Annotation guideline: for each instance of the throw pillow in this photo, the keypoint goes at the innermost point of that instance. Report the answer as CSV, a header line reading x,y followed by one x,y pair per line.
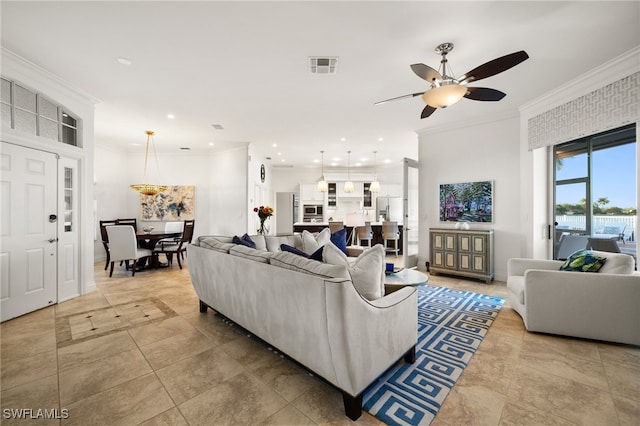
x,y
245,240
339,238
583,261
291,249
317,255
311,243
367,272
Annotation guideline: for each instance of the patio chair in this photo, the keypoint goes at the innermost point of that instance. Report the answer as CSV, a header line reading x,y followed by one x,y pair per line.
x,y
603,244
570,244
612,231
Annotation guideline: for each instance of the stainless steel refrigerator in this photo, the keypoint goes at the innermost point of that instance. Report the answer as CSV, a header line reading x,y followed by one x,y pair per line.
x,y
286,212
389,208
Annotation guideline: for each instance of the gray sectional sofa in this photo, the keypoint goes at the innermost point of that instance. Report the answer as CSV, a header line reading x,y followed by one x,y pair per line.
x,y
307,309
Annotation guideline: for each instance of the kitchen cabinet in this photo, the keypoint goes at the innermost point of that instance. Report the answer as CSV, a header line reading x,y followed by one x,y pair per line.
x,y
462,252
309,192
332,195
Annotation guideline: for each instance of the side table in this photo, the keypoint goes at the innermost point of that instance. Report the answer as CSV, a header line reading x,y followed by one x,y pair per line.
x,y
397,280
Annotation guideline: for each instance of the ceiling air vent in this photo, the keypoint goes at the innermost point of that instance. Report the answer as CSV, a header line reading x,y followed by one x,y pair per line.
x,y
323,65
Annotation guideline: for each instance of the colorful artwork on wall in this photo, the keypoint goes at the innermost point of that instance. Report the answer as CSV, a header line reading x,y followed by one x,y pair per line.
x,y
173,204
466,202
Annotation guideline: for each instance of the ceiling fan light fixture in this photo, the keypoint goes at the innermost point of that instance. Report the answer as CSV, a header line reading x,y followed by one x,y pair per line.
x,y
444,95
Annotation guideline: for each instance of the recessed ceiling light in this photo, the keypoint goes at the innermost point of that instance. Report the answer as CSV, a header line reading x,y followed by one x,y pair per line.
x,y
279,153
171,116
335,159
380,139
211,144
343,139
358,164
315,160
282,160
334,164
275,145
387,161
134,144
124,61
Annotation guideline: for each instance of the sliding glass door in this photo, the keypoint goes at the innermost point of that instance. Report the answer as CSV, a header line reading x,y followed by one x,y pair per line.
x,y
595,191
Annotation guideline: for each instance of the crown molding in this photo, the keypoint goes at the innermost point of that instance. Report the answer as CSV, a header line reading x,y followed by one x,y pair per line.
x,y
607,73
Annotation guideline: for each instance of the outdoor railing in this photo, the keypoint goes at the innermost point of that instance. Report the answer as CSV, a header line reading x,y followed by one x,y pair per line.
x,y
578,222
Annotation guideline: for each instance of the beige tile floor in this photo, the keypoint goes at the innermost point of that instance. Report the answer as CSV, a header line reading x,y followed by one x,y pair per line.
x,y
137,351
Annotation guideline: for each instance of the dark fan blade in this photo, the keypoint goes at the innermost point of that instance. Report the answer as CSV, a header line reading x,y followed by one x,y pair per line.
x,y
427,111
412,95
425,72
484,94
495,67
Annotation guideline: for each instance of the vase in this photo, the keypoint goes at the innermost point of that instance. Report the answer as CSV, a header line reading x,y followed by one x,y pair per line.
x,y
264,227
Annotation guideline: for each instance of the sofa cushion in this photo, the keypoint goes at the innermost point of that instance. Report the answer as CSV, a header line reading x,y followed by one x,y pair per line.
x,y
339,239
261,256
291,249
583,261
617,263
214,244
217,238
367,271
311,242
274,242
294,262
260,242
245,240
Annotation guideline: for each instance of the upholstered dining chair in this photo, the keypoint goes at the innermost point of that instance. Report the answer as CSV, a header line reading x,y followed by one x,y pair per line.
x,y
133,222
105,239
123,245
390,232
364,233
178,248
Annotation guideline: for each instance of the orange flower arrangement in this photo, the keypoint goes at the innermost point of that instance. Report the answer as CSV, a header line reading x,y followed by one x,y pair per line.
x,y
264,213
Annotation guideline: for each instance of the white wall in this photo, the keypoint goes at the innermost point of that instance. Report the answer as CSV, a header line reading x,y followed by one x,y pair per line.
x,y
476,152
220,181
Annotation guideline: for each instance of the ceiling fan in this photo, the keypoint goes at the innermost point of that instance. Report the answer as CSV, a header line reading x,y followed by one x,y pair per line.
x,y
446,89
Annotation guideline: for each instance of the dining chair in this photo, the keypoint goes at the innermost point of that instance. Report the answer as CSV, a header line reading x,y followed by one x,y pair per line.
x,y
603,244
105,239
335,226
123,245
178,248
133,222
390,232
364,233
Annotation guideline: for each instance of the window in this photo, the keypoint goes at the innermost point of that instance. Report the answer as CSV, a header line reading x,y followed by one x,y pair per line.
x,y
30,112
595,188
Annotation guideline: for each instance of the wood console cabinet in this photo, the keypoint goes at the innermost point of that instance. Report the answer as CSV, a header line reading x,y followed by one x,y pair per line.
x,y
462,252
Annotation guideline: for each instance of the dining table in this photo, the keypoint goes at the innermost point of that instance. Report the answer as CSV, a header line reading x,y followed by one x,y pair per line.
x,y
149,240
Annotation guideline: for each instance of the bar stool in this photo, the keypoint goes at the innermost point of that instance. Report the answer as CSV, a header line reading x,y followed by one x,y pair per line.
x,y
364,233
390,232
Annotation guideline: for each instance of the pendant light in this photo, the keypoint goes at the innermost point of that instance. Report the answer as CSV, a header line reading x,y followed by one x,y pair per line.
x,y
322,184
375,185
147,188
348,185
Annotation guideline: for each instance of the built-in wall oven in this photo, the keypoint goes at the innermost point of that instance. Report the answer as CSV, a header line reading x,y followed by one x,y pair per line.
x,y
312,212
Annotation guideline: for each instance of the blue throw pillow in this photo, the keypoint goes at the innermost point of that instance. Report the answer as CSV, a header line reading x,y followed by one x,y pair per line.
x,y
245,240
291,249
583,261
317,255
339,239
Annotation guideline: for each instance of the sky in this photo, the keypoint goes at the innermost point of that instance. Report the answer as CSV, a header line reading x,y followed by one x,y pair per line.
x,y
614,176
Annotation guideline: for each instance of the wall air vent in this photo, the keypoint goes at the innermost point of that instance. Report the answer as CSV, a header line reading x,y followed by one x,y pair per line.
x,y
323,65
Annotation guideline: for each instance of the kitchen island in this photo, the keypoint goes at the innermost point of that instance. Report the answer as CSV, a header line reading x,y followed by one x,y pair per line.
x,y
376,227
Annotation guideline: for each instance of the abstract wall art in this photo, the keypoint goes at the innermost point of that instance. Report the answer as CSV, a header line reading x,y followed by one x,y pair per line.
x,y
173,204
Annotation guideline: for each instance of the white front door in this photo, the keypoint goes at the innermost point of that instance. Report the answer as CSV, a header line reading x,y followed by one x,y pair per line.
x,y
28,229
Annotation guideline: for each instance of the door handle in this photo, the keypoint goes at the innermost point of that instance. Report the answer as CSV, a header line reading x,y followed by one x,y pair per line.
x,y
52,240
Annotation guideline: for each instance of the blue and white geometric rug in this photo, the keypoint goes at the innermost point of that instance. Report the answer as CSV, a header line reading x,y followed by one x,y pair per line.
x,y
451,326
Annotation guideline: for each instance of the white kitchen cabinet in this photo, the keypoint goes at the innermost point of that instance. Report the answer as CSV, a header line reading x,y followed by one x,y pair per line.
x,y
309,192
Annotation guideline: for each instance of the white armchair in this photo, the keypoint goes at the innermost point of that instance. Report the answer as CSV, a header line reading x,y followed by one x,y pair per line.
x,y
602,305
